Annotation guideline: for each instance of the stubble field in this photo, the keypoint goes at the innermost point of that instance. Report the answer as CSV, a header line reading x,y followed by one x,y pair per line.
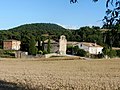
x,y
62,75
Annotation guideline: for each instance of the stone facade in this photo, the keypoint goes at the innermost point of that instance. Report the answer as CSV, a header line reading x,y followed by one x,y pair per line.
x,y
62,45
11,45
54,46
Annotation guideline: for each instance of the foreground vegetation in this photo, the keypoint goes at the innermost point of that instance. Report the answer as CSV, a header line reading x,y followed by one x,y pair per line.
x,y
61,75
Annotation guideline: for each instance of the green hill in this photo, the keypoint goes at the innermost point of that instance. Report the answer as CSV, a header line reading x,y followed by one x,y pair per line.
x,y
35,30
38,27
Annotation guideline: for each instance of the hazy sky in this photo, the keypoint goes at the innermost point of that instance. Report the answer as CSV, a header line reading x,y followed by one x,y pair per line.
x,y
17,12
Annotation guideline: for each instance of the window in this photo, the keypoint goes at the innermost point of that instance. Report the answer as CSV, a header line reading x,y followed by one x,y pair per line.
x,y
81,45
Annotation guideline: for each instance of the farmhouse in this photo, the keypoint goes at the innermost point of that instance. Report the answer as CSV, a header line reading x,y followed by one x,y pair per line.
x,y
92,48
11,45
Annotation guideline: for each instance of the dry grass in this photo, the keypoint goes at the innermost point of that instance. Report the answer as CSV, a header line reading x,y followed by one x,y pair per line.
x,y
62,75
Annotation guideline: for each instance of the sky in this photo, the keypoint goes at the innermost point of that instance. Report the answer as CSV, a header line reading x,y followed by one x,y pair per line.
x,y
14,13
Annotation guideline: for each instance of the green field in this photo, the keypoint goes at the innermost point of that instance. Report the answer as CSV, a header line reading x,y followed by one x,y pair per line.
x,y
62,74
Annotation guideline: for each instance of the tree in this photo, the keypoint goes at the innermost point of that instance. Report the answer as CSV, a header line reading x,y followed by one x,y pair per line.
x,y
25,43
105,50
48,46
109,52
39,43
73,1
75,49
112,53
32,49
112,13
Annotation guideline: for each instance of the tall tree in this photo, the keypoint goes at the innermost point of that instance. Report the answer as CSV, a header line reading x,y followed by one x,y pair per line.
x,y
39,43
32,49
48,46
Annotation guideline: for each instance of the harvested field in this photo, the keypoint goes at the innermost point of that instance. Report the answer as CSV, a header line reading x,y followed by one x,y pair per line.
x,y
60,75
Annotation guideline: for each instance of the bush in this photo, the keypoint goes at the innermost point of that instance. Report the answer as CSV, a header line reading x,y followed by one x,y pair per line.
x,y
40,52
70,50
100,55
81,52
1,52
45,52
105,50
112,53
118,53
75,49
109,52
9,52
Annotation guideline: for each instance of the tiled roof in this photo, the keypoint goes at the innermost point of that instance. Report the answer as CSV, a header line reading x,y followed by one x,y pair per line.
x,y
90,44
51,41
72,43
10,40
115,48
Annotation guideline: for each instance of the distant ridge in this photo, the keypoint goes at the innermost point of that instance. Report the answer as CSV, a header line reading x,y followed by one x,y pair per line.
x,y
35,30
38,26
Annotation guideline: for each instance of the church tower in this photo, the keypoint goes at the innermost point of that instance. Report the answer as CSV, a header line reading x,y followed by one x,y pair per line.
x,y
62,45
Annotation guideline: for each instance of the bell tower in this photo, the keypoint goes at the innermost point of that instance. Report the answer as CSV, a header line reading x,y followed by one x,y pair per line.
x,y
62,45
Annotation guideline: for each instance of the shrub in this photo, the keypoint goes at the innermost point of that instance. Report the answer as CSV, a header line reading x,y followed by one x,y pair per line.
x,y
105,50
81,52
118,53
75,49
1,52
100,55
40,52
45,52
70,49
9,52
112,53
109,52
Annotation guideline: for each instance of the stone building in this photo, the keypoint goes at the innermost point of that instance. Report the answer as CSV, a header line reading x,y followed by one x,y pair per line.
x,y
62,45
54,46
11,45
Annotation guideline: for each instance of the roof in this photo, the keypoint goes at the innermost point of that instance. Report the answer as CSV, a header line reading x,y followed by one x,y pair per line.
x,y
72,43
51,41
11,40
115,48
89,44
46,41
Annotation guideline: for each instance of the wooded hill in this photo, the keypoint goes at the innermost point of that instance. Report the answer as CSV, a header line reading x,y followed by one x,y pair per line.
x,y
34,30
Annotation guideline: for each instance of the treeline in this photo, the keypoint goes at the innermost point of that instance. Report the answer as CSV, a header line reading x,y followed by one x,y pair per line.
x,y
39,31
